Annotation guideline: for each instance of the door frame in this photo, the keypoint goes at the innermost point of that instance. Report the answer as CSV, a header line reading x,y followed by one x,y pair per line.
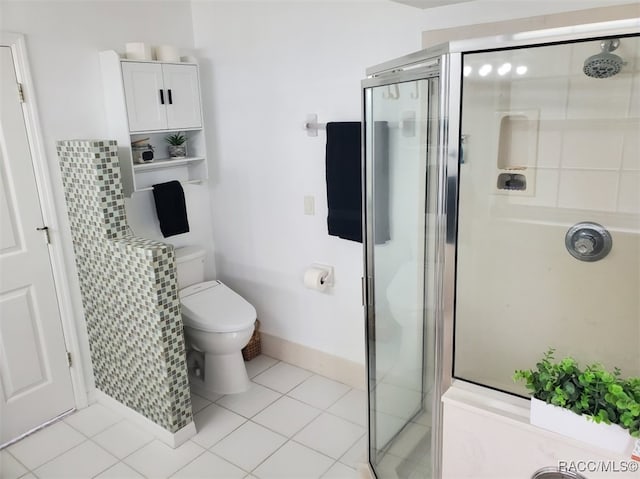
x,y
43,177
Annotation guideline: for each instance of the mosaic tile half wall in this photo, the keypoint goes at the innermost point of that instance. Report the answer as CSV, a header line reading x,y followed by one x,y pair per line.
x,y
129,291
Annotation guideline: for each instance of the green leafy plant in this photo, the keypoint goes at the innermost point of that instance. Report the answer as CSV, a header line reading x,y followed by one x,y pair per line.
x,y
593,391
176,139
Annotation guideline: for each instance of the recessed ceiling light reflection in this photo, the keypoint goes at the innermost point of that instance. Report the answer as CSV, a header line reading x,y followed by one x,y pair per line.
x,y
485,70
504,69
521,70
467,70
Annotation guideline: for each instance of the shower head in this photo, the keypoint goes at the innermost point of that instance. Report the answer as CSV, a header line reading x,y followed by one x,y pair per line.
x,y
604,64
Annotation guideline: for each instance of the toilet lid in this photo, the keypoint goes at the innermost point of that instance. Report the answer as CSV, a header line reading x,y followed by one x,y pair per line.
x,y
212,306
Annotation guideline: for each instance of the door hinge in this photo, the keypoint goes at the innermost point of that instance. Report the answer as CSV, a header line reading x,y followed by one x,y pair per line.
x,y
69,360
20,93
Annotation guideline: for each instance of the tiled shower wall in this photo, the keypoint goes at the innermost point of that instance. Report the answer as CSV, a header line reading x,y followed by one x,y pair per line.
x,y
519,291
129,291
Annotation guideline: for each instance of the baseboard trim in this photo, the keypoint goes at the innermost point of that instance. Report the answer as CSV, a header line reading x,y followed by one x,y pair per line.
x,y
170,439
328,365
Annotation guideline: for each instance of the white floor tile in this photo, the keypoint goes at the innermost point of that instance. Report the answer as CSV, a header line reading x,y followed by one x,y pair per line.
x,y
251,402
352,407
340,471
122,439
92,420
44,445
286,416
330,435
209,466
213,423
249,445
319,391
293,461
10,468
259,364
198,403
424,419
414,442
282,377
357,454
203,393
120,471
83,461
158,461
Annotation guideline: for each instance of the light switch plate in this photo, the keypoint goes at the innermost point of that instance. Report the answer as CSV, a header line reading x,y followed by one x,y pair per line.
x,y
309,205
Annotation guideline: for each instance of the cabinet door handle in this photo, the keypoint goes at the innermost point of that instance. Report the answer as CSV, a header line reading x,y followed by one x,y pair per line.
x,y
170,97
162,97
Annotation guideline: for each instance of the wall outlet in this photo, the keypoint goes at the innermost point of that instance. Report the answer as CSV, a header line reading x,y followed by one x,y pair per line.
x,y
309,205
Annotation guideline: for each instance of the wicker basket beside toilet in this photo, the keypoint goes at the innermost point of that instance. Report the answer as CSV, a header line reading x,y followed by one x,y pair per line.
x,y
254,347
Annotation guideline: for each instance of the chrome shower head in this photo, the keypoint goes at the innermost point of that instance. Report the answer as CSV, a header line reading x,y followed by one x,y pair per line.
x,y
604,64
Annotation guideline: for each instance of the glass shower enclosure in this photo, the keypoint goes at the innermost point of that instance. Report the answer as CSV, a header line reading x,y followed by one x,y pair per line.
x,y
502,217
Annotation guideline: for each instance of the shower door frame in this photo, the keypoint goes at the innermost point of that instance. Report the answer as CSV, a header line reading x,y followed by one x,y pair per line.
x,y
425,65
448,58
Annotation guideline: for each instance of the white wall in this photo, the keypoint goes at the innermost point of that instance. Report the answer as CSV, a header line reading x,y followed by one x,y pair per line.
x,y
63,40
265,66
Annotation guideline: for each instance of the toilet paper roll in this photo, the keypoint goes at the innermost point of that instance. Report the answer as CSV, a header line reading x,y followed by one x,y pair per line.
x,y
167,53
138,51
316,278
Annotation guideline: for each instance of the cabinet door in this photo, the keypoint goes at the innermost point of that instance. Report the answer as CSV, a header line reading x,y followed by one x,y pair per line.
x,y
183,96
145,96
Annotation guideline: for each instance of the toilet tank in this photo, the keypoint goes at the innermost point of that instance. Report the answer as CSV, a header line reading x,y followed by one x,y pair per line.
x,y
190,265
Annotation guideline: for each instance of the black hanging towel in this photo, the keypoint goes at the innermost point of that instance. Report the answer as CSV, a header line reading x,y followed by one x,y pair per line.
x,y
344,185
171,208
344,180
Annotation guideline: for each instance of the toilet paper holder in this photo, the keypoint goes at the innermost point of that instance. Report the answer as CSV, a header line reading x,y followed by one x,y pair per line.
x,y
328,281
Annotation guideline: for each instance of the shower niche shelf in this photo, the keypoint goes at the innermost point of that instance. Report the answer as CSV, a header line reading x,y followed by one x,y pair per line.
x,y
517,150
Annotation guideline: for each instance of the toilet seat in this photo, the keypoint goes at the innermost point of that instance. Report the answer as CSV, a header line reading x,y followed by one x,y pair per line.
x,y
214,307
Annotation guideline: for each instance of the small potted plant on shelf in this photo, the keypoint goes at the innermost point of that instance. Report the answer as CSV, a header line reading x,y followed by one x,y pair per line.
x,y
177,145
590,404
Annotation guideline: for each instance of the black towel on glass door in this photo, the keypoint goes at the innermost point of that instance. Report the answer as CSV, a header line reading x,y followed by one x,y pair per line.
x,y
171,208
344,180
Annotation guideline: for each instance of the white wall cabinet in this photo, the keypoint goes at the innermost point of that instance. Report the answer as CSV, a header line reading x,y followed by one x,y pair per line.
x,y
150,100
161,96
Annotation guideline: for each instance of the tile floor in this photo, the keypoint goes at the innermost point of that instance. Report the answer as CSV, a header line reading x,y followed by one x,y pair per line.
x,y
290,424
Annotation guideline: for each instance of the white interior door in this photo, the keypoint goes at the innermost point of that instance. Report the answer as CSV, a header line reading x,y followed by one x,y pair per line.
x,y
35,384
183,92
145,96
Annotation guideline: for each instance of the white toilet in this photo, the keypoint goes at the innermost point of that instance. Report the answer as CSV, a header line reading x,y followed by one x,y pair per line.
x,y
218,322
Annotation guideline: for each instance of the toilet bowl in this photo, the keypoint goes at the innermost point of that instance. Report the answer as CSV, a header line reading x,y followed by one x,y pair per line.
x,y
217,322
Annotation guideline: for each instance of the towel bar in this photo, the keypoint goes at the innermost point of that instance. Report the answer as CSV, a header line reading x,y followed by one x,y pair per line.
x,y
312,126
190,182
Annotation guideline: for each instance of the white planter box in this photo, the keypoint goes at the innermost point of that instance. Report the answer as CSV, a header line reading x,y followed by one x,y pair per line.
x,y
563,421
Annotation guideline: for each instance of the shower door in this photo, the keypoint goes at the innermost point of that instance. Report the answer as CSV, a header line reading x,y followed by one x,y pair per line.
x,y
401,131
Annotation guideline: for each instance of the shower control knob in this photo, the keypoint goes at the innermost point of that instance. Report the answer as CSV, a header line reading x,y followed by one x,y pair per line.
x,y
588,241
585,244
